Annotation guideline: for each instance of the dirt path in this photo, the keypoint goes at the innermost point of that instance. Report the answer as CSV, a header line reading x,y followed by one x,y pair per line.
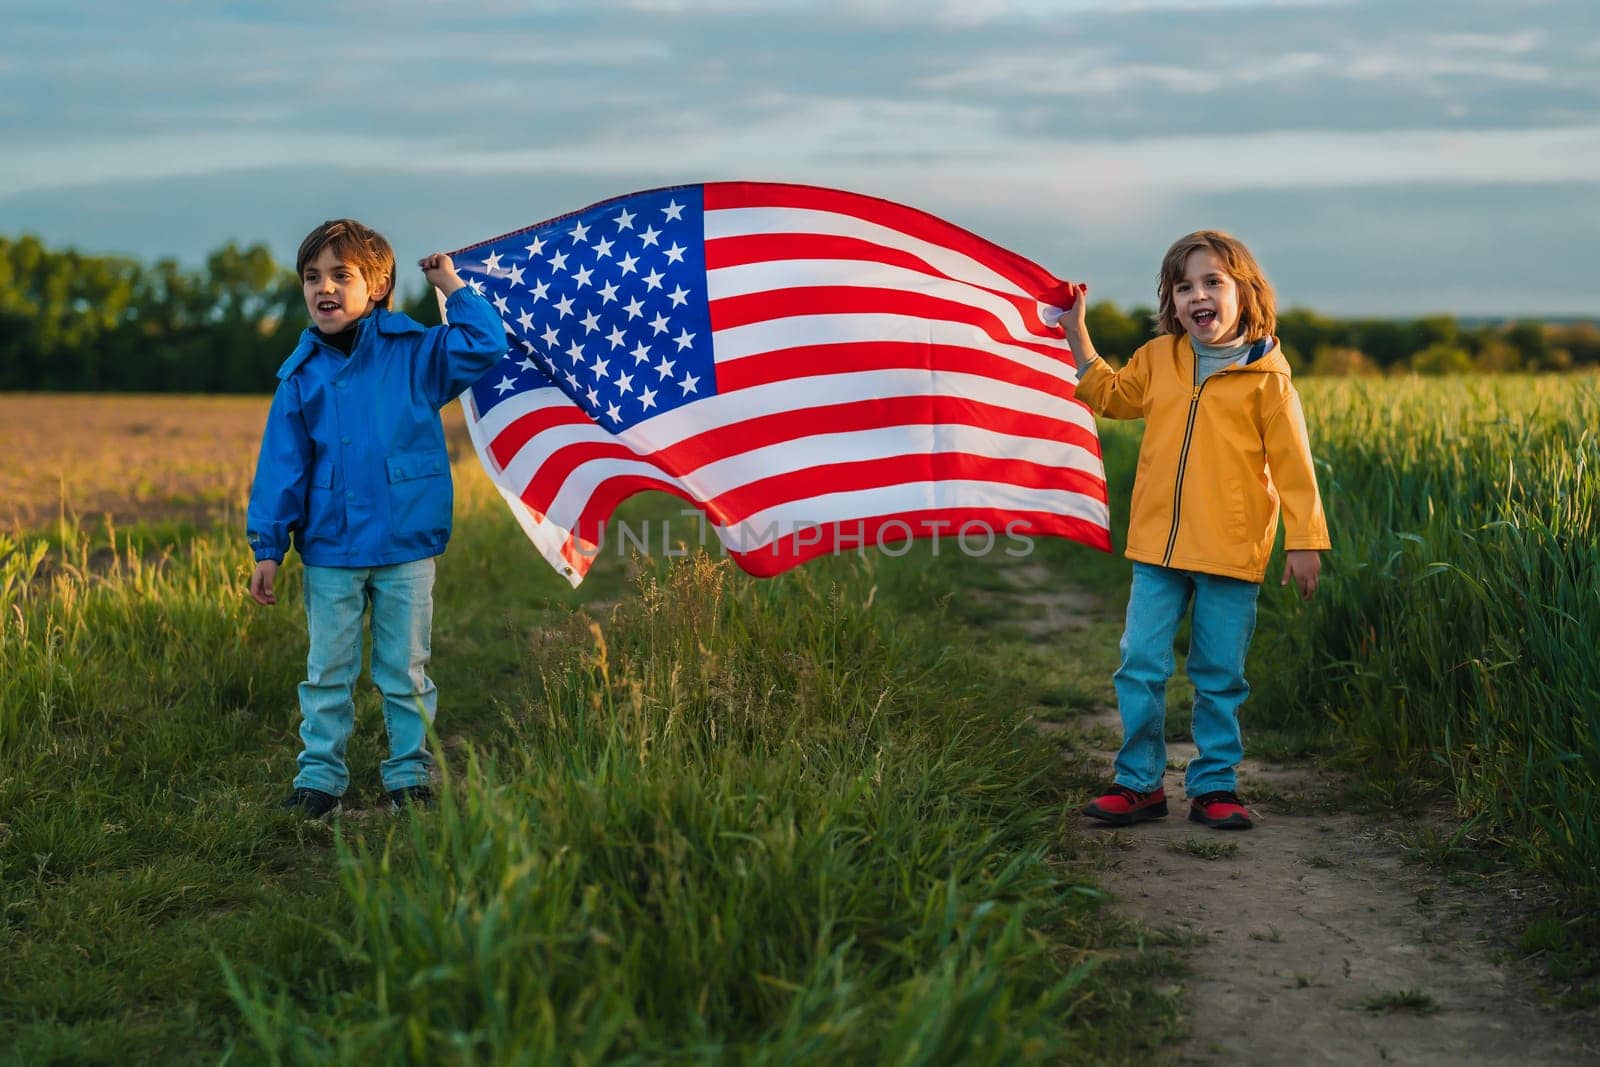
x,y
1314,942
1309,923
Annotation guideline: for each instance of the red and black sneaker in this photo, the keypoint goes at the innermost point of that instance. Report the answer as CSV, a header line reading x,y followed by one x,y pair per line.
x,y
1220,809
1121,806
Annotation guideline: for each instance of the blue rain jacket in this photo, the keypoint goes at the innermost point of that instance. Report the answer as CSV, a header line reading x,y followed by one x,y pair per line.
x,y
353,468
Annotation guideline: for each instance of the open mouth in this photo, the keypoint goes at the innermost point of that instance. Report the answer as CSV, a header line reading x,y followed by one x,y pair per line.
x,y
326,306
1203,317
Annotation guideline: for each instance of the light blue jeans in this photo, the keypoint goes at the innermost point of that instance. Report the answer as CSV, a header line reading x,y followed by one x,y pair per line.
x,y
1224,620
401,597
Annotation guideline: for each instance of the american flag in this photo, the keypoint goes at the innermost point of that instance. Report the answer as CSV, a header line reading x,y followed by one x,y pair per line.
x,y
815,370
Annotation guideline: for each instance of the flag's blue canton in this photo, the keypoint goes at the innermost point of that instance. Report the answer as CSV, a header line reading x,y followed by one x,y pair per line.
x,y
608,304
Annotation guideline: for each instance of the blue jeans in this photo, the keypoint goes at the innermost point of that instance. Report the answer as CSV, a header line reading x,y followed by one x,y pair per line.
x,y
1219,636
401,597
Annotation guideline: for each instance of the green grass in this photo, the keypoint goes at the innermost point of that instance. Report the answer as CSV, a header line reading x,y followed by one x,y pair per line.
x,y
1414,1001
1205,849
689,816
797,820
1451,646
1568,943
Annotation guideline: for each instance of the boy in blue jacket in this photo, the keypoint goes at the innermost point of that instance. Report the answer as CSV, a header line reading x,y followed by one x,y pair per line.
x,y
354,472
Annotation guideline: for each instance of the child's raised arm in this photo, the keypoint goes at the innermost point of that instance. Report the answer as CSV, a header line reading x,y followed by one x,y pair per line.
x,y
1115,394
440,270
1074,320
456,354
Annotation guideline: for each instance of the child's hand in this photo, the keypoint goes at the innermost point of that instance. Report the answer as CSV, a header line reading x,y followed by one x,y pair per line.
x,y
440,270
262,581
1073,299
1302,565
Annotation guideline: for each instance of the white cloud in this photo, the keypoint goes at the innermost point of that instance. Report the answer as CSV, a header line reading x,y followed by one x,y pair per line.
x,y
117,159
1395,69
1504,43
1392,69
928,143
1072,72
679,7
975,12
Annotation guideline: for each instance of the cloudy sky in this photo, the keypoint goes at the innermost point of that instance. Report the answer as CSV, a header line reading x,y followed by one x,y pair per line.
x,y
1382,158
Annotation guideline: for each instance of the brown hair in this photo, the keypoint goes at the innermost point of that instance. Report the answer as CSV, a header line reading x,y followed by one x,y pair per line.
x,y
1258,308
361,247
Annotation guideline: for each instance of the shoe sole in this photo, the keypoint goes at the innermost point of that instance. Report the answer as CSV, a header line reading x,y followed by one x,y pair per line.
x,y
1232,822
1116,818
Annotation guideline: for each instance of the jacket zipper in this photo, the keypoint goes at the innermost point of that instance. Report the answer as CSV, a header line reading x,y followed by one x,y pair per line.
x,y
1183,460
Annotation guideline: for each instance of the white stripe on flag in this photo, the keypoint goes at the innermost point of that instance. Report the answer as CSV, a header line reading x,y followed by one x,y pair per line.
x,y
775,276
765,221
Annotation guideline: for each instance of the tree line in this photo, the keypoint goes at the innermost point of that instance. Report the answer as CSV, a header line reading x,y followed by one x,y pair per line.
x,y
1437,344
70,321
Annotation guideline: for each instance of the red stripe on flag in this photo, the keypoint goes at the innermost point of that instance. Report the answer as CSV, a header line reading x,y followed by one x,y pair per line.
x,y
908,220
851,534
524,428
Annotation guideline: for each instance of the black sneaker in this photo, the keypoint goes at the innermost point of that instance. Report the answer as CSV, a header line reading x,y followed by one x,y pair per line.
x,y
417,797
311,803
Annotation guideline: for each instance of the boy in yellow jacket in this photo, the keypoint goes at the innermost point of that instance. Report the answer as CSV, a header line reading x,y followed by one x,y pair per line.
x,y
1224,450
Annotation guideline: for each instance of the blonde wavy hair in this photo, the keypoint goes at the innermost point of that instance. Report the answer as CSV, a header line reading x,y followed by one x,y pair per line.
x,y
1258,307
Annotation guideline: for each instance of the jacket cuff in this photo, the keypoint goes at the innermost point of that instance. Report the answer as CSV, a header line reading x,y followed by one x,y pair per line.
x,y
461,296
1307,544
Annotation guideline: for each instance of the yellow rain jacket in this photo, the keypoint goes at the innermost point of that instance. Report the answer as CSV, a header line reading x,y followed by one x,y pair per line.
x,y
1217,461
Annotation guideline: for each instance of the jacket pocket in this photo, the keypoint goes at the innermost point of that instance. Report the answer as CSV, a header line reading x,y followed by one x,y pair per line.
x,y
1238,510
324,516
419,493
409,466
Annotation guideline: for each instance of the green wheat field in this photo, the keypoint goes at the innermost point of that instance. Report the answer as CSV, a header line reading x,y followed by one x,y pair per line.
x,y
689,816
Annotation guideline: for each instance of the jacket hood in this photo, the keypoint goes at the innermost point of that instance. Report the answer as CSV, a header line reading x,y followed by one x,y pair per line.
x,y
1266,355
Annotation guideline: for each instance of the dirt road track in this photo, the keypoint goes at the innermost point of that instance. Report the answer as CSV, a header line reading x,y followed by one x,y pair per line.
x,y
1316,943
1313,940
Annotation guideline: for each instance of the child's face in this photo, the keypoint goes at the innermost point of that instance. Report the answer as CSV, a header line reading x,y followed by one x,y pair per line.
x,y
1206,299
337,293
